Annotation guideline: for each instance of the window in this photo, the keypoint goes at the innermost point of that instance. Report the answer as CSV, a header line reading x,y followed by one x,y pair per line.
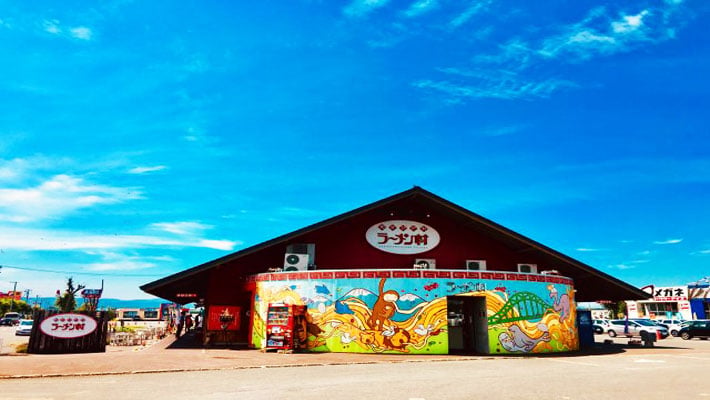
x,y
151,314
661,308
130,314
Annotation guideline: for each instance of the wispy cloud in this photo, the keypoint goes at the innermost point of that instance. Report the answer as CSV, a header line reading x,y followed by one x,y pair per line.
x,y
589,250
517,70
421,7
81,32
600,35
360,8
181,228
468,13
668,241
58,196
622,266
495,89
144,170
26,239
116,261
53,27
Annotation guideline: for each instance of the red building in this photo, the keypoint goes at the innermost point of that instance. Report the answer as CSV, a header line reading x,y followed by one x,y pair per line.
x,y
434,254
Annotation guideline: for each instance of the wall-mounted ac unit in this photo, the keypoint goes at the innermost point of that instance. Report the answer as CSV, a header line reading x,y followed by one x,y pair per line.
x,y
308,249
476,265
296,262
527,268
425,263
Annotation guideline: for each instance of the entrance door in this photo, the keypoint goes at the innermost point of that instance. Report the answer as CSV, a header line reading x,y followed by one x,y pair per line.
x,y
468,324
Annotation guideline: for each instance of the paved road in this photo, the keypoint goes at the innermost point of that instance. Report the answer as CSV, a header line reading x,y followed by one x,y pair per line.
x,y
678,370
8,339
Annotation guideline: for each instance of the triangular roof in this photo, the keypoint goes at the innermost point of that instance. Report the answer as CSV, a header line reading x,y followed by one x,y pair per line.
x,y
586,277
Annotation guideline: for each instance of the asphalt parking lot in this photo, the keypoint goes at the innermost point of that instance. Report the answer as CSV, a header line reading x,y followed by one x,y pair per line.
x,y
674,369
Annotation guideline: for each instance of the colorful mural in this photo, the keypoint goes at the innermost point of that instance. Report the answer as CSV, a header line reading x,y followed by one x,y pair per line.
x,y
409,315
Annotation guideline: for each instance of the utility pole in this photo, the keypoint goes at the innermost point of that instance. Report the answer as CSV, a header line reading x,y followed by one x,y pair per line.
x,y
12,296
27,295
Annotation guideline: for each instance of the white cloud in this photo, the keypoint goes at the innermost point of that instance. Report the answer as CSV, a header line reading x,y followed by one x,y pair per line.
x,y
496,89
81,32
629,23
51,26
622,266
586,249
360,8
421,7
181,228
61,240
59,196
467,14
143,170
669,241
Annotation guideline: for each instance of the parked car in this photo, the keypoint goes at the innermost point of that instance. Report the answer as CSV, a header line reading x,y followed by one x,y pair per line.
x,y
673,325
698,328
10,319
24,328
601,325
636,328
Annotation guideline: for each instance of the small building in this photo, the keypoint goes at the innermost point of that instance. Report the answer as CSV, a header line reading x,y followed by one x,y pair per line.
x,y
411,273
686,302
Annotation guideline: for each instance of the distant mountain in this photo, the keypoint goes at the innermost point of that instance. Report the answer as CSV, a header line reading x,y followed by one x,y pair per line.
x,y
47,302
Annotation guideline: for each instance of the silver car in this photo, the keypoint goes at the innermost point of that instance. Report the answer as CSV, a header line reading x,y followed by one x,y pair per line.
x,y
24,328
636,328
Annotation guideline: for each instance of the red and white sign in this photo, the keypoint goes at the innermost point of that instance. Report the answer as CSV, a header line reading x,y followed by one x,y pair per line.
x,y
67,326
402,237
672,293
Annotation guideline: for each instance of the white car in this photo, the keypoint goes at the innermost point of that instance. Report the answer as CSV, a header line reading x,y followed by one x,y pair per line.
x,y
636,327
673,325
24,328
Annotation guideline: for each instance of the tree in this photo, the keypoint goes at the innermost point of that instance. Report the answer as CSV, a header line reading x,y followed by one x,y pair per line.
x,y
18,306
66,301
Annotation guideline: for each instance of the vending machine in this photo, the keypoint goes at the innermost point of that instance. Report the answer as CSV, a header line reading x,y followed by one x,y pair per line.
x,y
286,327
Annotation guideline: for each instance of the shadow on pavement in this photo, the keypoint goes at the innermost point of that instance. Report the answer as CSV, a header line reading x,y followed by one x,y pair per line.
x,y
193,340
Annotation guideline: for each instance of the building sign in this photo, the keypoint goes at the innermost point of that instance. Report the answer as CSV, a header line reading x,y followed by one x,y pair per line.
x,y
402,237
223,318
17,296
672,293
66,326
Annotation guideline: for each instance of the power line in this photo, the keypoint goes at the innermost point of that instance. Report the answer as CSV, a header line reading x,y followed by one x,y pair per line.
x,y
78,272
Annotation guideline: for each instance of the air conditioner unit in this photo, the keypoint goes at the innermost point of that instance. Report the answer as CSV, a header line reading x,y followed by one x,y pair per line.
x,y
527,268
476,265
425,263
296,262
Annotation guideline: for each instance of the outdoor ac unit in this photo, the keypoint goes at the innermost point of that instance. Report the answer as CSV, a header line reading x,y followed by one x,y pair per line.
x,y
296,262
425,263
527,268
476,265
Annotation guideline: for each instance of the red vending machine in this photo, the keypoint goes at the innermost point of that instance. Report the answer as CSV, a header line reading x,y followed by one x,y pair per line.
x,y
286,327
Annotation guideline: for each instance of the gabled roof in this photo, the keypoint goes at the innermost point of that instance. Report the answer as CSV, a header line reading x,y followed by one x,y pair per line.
x,y
585,273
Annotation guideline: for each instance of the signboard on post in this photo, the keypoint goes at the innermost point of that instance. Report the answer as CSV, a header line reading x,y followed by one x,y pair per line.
x,y
67,326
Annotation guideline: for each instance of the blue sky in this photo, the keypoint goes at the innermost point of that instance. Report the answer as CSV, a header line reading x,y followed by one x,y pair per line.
x,y
138,139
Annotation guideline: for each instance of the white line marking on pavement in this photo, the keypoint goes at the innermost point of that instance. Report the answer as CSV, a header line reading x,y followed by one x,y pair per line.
x,y
575,363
